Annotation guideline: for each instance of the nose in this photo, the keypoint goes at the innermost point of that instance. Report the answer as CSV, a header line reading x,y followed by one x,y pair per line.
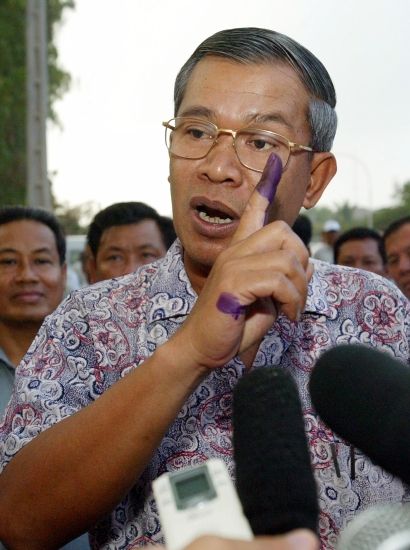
x,y
404,263
221,165
135,262
26,272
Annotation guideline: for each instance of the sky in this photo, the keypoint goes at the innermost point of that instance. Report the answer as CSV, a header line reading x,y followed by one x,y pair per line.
x,y
123,56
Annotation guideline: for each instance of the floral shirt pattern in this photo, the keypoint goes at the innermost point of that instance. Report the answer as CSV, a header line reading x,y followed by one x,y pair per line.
x,y
100,333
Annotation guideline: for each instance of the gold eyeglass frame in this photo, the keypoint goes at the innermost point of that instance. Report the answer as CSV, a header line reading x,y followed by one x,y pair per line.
x,y
293,147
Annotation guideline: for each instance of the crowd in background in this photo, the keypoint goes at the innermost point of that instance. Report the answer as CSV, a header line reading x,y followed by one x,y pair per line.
x,y
386,254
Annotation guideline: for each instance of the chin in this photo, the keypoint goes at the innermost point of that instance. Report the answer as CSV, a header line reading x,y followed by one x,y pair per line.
x,y
35,314
203,254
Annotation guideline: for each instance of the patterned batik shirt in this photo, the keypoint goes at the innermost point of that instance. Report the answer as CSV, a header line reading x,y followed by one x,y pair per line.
x,y
100,333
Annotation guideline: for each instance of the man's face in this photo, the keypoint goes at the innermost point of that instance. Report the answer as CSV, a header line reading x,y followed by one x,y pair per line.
x,y
362,254
330,237
32,280
123,248
234,95
398,257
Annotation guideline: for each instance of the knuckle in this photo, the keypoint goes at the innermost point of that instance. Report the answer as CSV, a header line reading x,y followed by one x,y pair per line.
x,y
292,263
282,227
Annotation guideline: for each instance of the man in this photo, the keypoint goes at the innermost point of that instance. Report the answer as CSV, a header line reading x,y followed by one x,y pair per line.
x,y
397,244
331,231
153,357
32,283
125,236
362,248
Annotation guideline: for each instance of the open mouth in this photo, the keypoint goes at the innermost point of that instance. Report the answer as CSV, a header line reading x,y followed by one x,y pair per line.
x,y
214,215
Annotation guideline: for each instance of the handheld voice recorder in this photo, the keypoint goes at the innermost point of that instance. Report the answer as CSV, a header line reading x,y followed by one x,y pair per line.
x,y
199,500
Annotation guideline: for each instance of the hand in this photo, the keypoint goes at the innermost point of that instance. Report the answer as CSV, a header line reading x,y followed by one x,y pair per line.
x,y
265,270
300,539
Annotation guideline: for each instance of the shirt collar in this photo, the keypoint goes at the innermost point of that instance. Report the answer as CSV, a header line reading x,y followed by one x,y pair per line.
x,y
171,294
316,302
5,360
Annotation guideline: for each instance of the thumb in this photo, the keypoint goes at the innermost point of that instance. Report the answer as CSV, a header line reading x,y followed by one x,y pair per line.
x,y
253,217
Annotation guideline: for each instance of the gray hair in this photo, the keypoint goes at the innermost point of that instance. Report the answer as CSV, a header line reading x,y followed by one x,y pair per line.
x,y
253,45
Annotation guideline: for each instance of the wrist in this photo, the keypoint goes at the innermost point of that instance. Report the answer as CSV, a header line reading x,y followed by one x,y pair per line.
x,y
179,362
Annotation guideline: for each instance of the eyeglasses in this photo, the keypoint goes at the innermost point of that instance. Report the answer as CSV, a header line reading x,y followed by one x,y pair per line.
x,y
192,138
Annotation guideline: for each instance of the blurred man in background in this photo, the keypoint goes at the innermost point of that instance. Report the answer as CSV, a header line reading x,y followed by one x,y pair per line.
x,y
330,232
32,283
124,236
303,229
362,248
397,244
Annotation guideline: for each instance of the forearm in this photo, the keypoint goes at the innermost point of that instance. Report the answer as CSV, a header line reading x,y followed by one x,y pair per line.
x,y
75,472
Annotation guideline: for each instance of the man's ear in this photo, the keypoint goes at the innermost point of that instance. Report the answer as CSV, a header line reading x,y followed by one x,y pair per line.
x,y
64,273
323,168
91,270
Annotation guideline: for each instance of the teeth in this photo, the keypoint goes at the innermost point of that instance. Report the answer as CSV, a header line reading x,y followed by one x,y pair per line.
x,y
215,219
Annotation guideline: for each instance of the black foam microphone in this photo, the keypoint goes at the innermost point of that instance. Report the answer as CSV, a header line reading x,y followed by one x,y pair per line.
x,y
364,396
274,476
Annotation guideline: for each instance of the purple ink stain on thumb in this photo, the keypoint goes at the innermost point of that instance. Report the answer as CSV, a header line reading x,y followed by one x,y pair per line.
x,y
228,303
271,175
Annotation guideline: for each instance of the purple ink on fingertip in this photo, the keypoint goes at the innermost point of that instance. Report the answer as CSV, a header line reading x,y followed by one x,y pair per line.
x,y
271,175
227,303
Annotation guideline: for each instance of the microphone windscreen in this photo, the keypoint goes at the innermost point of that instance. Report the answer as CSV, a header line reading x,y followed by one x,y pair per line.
x,y
274,476
364,396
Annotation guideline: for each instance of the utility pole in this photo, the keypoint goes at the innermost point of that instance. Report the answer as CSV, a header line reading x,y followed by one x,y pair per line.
x,y
38,186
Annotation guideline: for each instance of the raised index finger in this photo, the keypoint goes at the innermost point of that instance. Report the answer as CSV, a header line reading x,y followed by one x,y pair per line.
x,y
253,217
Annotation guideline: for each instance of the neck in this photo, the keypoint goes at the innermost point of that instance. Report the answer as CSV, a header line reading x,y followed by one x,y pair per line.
x,y
16,337
197,274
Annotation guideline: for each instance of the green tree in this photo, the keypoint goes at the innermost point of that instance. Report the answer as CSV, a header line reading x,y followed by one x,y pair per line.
x,y
13,91
404,195
318,215
385,216
351,216
75,219
346,214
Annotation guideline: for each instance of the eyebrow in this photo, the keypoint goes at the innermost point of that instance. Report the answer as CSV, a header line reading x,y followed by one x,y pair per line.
x,y
405,250
263,118
197,110
114,248
256,118
37,251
